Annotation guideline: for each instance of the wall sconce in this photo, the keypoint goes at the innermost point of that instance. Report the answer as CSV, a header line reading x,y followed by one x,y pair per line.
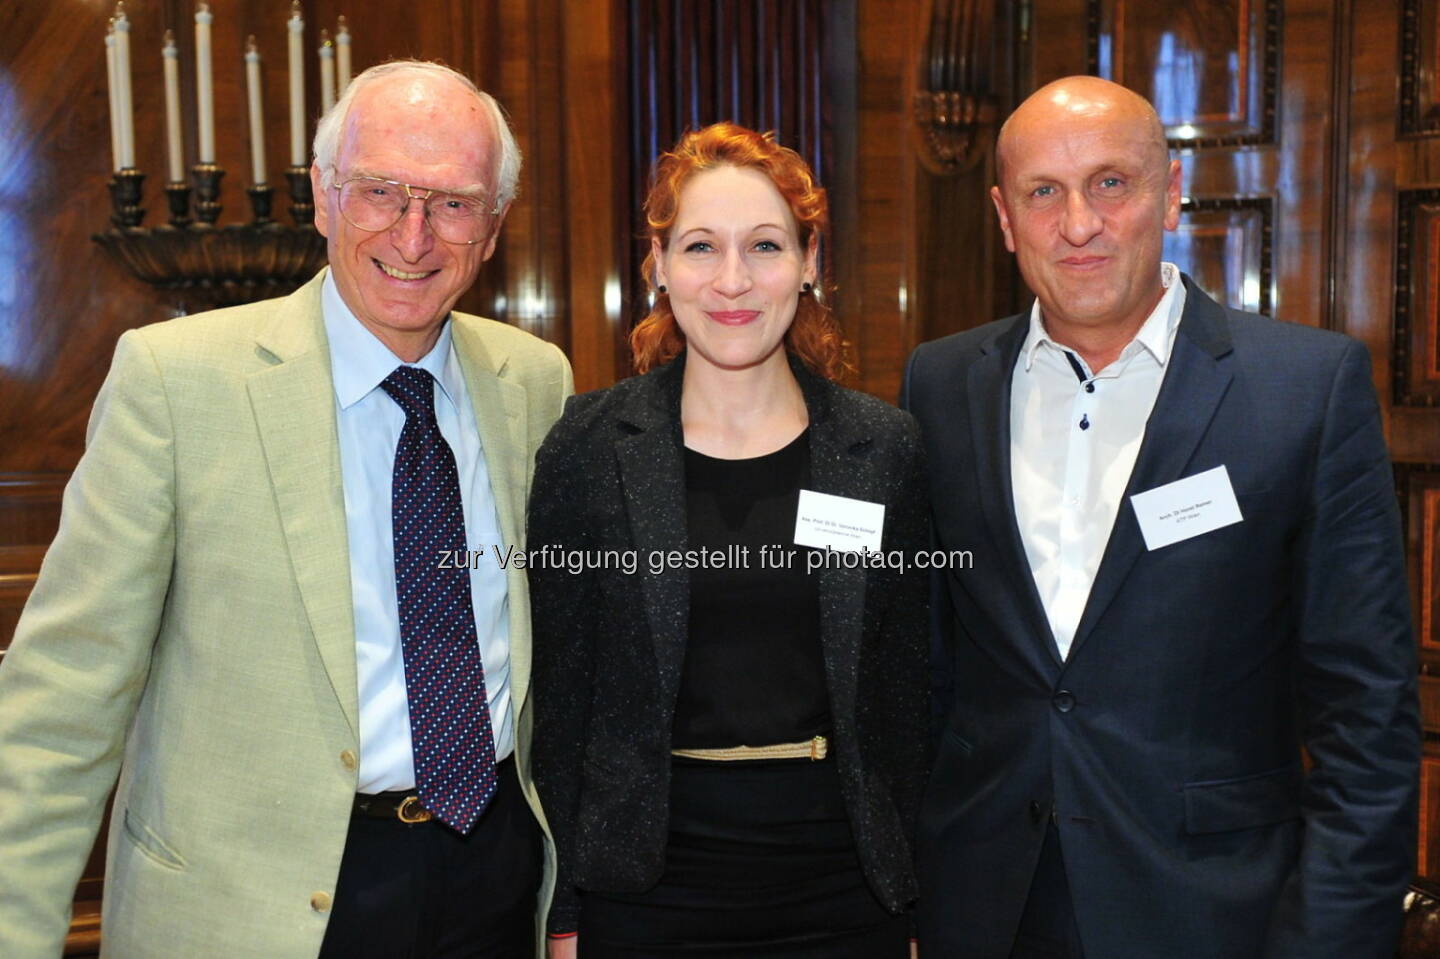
x,y
954,112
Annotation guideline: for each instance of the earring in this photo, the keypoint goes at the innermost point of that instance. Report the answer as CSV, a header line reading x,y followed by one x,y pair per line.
x,y
661,289
806,287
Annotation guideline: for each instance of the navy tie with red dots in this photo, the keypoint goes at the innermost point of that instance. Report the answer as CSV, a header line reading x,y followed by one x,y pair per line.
x,y
451,736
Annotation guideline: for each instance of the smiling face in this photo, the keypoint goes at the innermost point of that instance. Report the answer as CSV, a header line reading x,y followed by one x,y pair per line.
x,y
1086,192
402,282
733,265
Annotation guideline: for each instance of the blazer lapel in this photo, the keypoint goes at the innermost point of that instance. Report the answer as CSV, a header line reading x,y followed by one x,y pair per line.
x,y
1195,382
988,392
294,406
839,465
652,476
500,416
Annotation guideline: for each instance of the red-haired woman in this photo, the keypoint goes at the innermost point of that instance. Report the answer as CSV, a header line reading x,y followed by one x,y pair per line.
x,y
730,716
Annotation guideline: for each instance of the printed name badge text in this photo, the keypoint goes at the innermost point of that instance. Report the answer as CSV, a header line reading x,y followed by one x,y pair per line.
x,y
838,522
1186,508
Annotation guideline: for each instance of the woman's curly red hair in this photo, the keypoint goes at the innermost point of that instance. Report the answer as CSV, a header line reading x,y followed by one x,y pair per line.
x,y
814,336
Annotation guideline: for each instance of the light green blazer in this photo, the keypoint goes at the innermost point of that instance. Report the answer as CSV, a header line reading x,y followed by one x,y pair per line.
x,y
192,629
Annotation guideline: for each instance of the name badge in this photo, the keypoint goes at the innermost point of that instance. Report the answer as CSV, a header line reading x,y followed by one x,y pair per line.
x,y
1186,508
838,522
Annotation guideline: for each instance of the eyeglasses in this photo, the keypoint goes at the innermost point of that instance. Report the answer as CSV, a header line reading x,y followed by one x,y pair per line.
x,y
375,205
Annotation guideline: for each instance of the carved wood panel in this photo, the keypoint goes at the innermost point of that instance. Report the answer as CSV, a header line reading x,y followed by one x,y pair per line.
x,y
1391,284
1246,91
1388,295
1416,336
29,516
1225,246
1419,488
1211,69
971,71
1419,68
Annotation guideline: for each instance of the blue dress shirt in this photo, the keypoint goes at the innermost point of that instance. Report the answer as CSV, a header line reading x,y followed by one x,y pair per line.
x,y
369,424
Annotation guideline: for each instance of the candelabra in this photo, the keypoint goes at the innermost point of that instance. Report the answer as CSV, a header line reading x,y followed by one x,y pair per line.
x,y
205,265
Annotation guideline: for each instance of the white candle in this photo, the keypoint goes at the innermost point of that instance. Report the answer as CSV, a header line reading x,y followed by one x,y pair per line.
x,y
257,120
112,83
204,83
297,87
327,72
122,76
174,153
342,55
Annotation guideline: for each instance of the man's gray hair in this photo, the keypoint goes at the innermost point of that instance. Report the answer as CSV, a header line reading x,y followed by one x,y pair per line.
x,y
327,132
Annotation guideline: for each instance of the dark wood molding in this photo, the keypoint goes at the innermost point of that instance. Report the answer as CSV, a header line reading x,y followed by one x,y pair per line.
x,y
1407,202
1412,121
1265,207
1413,480
1337,182
29,515
32,487
1269,68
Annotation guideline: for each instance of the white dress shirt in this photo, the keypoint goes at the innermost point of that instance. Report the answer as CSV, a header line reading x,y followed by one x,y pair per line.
x,y
370,423
1074,437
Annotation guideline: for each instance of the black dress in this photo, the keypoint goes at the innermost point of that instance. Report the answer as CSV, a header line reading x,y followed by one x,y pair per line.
x,y
760,859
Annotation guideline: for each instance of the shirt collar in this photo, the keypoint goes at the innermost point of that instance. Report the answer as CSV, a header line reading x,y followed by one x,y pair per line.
x,y
1156,335
359,361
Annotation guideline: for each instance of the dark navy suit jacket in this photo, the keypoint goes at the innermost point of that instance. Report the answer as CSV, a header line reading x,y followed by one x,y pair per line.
x,y
1168,746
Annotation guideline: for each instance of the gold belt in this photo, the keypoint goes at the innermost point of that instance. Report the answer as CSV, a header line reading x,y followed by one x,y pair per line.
x,y
812,749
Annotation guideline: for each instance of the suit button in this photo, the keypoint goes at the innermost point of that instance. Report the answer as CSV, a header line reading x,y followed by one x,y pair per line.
x,y
1037,812
1064,701
320,901
348,759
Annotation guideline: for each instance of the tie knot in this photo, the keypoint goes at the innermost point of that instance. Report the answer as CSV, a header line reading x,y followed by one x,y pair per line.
x,y
411,387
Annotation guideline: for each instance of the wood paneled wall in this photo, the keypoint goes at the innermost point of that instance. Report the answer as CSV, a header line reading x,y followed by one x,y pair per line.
x,y
1309,131
691,64
1385,274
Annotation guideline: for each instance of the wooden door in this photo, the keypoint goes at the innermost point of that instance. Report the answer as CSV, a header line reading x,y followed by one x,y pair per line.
x,y
1387,280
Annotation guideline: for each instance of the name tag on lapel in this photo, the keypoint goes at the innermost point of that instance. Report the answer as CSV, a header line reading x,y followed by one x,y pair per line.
x,y
1186,508
838,522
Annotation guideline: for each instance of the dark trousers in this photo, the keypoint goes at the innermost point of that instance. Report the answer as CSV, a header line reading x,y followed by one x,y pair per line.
x,y
1047,927
424,891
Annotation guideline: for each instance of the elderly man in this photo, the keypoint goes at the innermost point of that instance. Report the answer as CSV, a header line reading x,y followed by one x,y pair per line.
x,y
1187,566
318,723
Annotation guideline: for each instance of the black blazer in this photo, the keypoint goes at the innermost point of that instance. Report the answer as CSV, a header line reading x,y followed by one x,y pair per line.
x,y
1167,745
609,646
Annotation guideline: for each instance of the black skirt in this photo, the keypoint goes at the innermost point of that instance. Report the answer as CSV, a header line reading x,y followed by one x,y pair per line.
x,y
760,863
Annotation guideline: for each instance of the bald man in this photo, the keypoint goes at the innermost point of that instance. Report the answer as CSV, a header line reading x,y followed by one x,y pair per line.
x,y
1187,577
320,723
